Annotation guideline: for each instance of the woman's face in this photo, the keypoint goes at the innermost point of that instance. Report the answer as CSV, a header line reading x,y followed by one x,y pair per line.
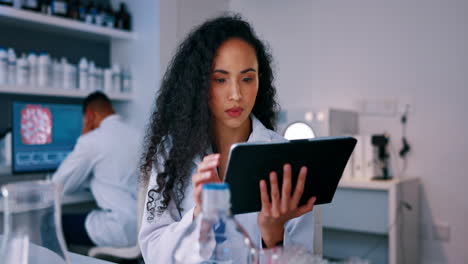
x,y
234,83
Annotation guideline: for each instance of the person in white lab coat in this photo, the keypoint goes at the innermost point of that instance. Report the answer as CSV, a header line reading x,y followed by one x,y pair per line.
x,y
217,91
104,159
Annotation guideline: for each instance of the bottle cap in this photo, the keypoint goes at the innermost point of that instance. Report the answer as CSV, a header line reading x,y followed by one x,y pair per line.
x,y
216,196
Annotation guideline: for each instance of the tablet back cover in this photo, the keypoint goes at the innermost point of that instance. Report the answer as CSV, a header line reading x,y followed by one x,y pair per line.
x,y
325,159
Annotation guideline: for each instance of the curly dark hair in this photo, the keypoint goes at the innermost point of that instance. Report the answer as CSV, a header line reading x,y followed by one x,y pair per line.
x,y
181,123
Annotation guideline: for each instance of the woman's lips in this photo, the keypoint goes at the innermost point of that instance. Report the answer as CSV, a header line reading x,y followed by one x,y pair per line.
x,y
235,111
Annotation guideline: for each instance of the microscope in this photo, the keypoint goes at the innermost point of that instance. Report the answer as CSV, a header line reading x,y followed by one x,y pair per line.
x,y
380,142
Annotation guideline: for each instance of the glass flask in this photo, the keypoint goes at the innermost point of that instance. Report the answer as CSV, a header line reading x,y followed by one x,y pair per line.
x,y
32,224
215,236
292,254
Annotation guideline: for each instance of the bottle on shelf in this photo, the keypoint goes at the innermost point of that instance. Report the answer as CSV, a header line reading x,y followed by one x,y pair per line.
x,y
109,20
100,16
123,18
60,8
73,10
46,7
31,5
215,236
17,4
22,71
43,70
99,79
32,61
91,13
116,78
81,11
3,66
6,2
69,75
126,80
57,74
108,81
91,76
83,74
11,67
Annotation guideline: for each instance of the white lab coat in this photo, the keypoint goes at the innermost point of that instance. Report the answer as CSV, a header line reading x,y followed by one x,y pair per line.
x,y
106,160
158,237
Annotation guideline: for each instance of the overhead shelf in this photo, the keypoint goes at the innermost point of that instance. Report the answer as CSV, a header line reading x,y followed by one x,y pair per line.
x,y
62,25
56,92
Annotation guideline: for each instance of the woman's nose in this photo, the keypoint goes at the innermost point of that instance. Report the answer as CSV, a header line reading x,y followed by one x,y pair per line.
x,y
235,92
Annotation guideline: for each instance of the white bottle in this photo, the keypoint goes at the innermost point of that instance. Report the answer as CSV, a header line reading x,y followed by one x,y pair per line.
x,y
108,81
126,80
73,76
99,79
43,69
17,4
83,74
92,76
22,71
66,68
57,74
63,78
32,61
3,66
116,78
11,67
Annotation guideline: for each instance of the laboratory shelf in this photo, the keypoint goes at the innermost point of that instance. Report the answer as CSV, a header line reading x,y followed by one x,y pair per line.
x,y
56,92
61,25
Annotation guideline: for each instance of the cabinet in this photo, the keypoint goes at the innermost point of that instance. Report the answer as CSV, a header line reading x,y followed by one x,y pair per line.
x,y
377,220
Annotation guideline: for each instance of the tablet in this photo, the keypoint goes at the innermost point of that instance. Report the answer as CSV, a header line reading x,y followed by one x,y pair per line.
x,y
325,158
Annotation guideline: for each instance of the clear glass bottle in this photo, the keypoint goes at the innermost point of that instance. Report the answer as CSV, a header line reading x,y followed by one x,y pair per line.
x,y
32,224
215,236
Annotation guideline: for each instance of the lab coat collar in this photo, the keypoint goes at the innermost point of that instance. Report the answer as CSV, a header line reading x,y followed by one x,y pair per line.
x,y
109,119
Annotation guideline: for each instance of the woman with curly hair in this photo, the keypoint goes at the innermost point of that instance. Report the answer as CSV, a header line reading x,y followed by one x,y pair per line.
x,y
218,90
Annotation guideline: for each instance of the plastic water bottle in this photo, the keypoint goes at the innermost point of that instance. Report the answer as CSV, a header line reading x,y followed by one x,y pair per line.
x,y
215,236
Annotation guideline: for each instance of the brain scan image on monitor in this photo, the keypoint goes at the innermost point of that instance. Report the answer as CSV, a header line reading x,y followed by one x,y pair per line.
x,y
36,125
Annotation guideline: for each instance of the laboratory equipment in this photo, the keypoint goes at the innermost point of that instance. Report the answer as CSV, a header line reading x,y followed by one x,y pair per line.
x,y
215,236
32,224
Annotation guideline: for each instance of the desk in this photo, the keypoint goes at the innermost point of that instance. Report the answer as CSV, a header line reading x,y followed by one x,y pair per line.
x,y
80,259
74,258
379,219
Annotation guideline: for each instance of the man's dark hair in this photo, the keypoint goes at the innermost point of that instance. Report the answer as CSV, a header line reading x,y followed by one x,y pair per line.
x,y
98,101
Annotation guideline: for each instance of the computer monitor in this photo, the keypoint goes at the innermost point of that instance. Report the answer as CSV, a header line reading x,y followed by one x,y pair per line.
x,y
43,134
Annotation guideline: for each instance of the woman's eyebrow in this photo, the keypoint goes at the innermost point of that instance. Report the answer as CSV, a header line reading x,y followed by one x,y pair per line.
x,y
247,70
226,72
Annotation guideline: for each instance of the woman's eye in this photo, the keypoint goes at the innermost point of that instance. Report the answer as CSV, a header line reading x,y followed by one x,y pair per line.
x,y
220,80
247,79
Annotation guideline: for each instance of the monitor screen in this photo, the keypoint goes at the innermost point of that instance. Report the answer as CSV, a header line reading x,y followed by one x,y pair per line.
x,y
43,135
